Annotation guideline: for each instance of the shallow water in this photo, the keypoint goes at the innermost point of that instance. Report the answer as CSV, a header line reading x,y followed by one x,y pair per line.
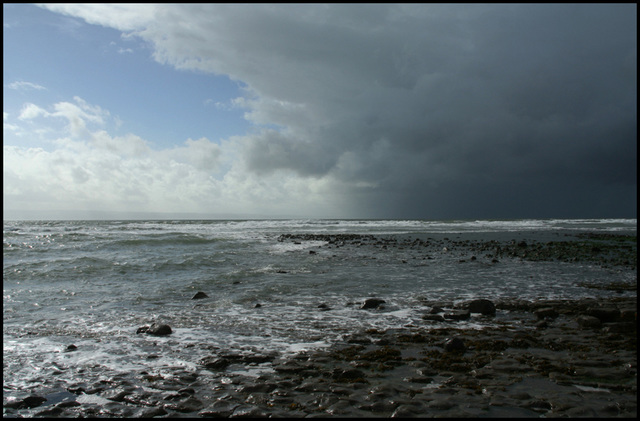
x,y
93,283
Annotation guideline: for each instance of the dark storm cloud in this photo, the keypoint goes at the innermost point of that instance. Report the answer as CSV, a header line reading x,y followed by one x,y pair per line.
x,y
432,110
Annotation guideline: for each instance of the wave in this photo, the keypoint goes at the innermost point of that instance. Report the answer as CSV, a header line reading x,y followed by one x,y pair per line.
x,y
166,239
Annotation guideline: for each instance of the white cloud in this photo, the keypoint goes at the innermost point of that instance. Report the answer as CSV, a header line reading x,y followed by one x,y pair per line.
x,y
31,111
26,85
124,16
91,169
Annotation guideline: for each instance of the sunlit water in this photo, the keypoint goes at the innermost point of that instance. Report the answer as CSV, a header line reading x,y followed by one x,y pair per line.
x,y
93,283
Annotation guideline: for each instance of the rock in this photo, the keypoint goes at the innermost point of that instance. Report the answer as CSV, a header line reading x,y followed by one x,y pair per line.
x,y
482,306
457,315
546,313
215,363
189,404
348,375
358,338
455,345
629,314
249,411
70,348
409,411
604,314
433,317
151,412
32,401
158,329
219,409
116,395
621,327
370,303
589,322
199,295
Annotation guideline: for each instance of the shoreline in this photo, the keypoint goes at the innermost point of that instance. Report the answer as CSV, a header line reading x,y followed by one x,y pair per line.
x,y
521,358
575,358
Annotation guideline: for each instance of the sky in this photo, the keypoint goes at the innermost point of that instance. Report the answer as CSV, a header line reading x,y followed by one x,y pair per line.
x,y
389,111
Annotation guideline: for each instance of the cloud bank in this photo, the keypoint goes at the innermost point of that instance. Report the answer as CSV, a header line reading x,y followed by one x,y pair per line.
x,y
381,111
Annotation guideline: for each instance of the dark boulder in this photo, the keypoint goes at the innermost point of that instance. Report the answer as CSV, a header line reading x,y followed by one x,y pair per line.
x,y
482,306
156,329
215,363
586,322
199,295
455,345
372,303
28,402
604,314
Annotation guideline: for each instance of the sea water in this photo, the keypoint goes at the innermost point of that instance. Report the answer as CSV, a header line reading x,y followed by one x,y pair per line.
x,y
92,284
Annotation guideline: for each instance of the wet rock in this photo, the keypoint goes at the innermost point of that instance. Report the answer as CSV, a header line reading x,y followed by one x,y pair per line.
x,y
215,362
605,315
620,327
116,395
199,295
433,317
151,412
156,329
589,322
190,404
546,313
257,388
50,412
540,405
372,303
413,410
455,345
348,375
219,409
457,315
436,309
249,411
358,338
482,306
28,402
629,314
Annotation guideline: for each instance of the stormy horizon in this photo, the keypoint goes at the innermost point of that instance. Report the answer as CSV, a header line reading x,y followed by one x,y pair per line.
x,y
361,111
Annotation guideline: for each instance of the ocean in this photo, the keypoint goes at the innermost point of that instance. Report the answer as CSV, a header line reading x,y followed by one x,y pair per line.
x,y
279,286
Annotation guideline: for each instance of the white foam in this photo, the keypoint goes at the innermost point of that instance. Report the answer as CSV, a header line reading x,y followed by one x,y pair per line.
x,y
286,246
592,389
84,398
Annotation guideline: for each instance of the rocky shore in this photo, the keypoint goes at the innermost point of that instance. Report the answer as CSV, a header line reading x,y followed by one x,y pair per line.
x,y
548,358
478,358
